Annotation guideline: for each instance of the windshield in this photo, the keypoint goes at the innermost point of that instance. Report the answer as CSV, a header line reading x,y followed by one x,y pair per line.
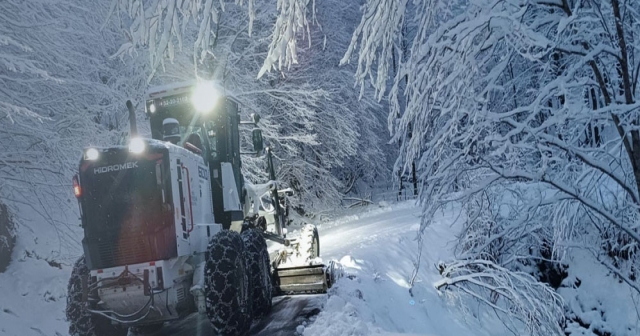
x,y
204,138
179,124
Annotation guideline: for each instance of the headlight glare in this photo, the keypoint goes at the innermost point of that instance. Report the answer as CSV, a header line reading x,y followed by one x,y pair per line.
x,y
137,146
205,97
91,154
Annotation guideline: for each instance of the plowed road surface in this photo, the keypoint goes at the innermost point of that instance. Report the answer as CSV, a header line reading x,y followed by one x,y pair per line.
x,y
336,240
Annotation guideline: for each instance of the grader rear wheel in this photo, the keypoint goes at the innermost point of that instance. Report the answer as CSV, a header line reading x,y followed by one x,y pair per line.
x,y
81,321
228,284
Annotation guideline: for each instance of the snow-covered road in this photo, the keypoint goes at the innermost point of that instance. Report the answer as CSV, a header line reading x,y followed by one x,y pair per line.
x,y
337,239
377,248
351,233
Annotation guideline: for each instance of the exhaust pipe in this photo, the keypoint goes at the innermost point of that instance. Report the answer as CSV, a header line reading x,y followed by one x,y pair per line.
x,y
132,120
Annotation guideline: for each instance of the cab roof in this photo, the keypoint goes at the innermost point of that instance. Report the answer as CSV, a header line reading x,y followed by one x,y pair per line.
x,y
160,91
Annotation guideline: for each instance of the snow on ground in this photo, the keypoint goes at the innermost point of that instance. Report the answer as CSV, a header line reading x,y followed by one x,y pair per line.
x,y
598,300
33,298
33,289
377,250
376,247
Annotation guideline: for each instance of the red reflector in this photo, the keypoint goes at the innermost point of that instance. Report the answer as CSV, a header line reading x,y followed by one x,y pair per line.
x,y
153,263
76,187
99,271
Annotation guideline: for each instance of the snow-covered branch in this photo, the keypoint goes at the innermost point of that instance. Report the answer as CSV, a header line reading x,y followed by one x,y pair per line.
x,y
161,27
515,294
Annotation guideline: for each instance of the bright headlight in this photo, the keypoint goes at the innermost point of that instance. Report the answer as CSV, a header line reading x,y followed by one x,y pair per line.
x,y
152,108
205,97
137,146
91,154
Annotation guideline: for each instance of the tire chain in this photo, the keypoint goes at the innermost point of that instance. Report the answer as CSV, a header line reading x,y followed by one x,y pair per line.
x,y
221,293
81,321
260,270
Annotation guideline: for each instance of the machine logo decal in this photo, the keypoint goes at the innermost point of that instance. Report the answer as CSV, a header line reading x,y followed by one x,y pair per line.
x,y
116,167
203,173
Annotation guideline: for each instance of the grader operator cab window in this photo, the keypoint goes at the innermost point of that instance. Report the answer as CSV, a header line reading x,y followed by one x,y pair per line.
x,y
192,139
187,137
189,117
194,143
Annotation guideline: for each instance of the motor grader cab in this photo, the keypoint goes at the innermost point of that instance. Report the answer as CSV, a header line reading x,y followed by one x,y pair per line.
x,y
171,227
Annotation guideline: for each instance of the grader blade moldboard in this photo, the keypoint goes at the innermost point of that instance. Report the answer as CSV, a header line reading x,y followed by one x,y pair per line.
x,y
301,280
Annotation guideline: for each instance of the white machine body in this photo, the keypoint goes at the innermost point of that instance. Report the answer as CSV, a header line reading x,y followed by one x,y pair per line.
x,y
171,280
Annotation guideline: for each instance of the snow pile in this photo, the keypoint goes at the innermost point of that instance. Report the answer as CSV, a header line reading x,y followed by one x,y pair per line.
x,y
33,298
33,289
340,317
377,251
600,304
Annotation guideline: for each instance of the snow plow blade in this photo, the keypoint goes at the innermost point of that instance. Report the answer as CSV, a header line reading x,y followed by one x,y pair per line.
x,y
314,279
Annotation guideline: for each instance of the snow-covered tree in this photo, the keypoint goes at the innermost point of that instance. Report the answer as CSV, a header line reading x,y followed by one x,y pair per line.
x,y
59,92
161,26
524,112
323,137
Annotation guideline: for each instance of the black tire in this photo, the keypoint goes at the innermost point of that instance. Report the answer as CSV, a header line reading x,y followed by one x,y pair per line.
x,y
81,321
259,267
227,284
309,243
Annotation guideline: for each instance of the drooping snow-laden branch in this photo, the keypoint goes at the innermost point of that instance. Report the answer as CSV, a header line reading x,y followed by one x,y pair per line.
x,y
292,20
379,28
160,27
514,294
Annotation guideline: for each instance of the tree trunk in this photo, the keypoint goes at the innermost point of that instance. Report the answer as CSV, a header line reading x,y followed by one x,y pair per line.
x,y
7,237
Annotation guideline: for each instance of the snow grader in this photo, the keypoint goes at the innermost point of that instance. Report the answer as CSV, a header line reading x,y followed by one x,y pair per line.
x,y
171,227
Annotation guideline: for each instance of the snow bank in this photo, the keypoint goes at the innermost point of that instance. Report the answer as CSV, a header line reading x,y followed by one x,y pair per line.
x,y
33,289
346,216
33,298
377,250
600,303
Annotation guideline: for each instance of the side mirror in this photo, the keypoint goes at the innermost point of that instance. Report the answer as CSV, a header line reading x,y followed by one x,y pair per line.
x,y
255,118
256,136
